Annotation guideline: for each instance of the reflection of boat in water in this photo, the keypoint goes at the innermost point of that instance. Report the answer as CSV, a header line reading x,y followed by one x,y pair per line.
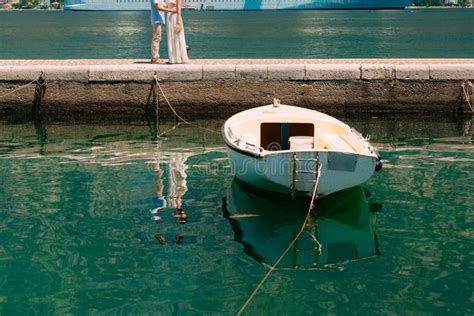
x,y
266,224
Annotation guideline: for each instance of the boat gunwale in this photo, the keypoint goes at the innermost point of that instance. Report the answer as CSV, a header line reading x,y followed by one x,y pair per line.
x,y
263,153
236,148
299,110
278,152
269,153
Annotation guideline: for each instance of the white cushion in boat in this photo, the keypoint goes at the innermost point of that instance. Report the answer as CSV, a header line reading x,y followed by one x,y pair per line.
x,y
301,142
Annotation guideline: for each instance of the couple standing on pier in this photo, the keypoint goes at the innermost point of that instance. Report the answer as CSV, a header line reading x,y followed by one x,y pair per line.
x,y
177,50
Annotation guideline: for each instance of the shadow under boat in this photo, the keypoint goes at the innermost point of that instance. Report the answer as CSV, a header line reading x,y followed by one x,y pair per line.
x,y
266,223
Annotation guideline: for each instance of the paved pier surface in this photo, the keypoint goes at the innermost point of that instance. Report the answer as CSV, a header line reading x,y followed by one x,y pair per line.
x,y
397,61
219,88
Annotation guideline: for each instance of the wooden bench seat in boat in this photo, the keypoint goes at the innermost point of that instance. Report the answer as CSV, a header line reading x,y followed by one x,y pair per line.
x,y
333,142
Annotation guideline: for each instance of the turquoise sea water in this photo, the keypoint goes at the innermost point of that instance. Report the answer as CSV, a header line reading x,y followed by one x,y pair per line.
x,y
77,234
420,33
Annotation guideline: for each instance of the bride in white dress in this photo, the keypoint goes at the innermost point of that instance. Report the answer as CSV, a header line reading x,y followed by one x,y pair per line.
x,y
177,52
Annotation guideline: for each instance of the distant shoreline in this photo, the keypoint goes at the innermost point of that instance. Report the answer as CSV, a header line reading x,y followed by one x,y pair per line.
x,y
43,10
407,8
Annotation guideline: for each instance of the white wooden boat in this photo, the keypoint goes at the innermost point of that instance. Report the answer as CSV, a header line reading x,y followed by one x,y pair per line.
x,y
278,148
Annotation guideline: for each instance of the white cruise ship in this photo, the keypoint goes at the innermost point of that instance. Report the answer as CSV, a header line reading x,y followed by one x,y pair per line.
x,y
139,5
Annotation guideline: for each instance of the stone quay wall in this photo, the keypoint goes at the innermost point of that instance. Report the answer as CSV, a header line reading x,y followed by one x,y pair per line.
x,y
219,88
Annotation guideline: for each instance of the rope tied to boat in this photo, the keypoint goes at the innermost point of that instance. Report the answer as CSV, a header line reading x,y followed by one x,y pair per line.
x,y
292,243
179,117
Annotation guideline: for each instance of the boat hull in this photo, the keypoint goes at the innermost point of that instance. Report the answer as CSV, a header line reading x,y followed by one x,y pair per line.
x,y
275,172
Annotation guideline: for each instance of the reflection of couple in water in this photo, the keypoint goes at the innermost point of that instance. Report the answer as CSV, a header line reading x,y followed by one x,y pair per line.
x,y
177,50
174,199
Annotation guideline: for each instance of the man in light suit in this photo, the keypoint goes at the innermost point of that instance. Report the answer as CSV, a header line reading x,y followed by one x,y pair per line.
x,y
157,21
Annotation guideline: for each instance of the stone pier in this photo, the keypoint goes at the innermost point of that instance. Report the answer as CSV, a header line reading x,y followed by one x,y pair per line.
x,y
218,88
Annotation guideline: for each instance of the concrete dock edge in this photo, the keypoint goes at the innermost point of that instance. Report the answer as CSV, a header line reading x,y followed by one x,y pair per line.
x,y
218,88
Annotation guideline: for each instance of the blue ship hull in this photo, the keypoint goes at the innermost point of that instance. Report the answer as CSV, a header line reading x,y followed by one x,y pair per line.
x,y
239,5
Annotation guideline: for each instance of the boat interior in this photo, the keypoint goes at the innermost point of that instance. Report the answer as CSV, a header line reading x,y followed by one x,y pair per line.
x,y
287,135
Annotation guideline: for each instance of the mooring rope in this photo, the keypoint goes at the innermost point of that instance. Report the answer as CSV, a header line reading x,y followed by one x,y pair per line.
x,y
310,208
169,130
19,88
40,91
464,86
176,113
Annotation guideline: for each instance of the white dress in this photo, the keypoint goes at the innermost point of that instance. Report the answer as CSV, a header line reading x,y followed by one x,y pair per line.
x,y
177,52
